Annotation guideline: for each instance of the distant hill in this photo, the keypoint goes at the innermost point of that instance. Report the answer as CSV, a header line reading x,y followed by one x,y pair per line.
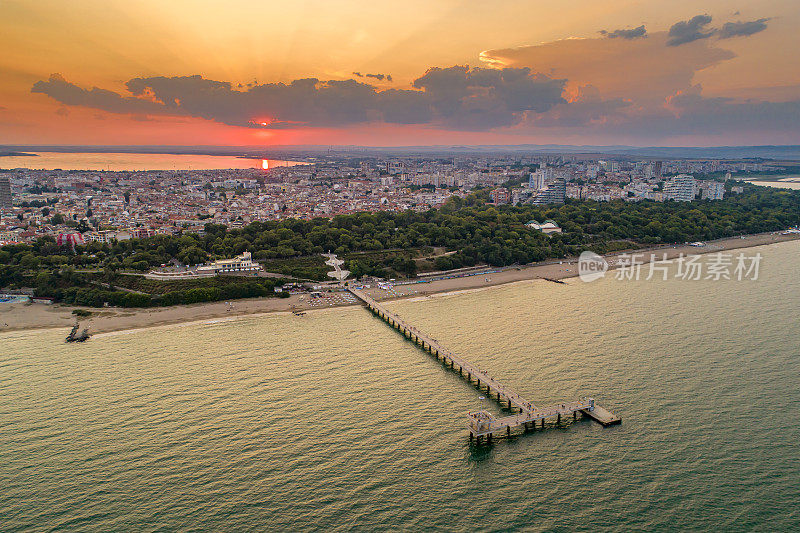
x,y
787,152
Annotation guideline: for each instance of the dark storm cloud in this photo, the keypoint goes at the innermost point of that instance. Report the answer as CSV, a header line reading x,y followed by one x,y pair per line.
x,y
67,93
457,97
690,30
742,29
626,34
485,98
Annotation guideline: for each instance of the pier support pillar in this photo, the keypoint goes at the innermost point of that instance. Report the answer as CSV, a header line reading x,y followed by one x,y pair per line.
x,y
509,404
558,420
489,438
574,415
508,430
542,423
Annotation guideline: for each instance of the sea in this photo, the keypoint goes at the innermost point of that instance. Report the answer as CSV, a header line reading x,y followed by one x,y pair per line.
x,y
792,182
134,162
332,421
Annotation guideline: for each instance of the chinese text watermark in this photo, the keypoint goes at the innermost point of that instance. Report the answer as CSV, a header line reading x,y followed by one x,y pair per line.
x,y
694,267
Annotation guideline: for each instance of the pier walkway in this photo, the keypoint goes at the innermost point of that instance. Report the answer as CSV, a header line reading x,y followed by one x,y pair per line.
x,y
482,423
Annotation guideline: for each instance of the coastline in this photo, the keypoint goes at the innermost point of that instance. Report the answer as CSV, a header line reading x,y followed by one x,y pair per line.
x,y
20,317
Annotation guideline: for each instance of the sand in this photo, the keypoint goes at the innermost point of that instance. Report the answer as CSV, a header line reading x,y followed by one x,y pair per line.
x,y
18,316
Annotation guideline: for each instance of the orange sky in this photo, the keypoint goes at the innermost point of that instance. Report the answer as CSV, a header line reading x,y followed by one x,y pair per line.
x,y
627,87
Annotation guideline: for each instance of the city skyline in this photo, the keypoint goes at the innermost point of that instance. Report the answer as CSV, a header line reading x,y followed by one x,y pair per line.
x,y
392,75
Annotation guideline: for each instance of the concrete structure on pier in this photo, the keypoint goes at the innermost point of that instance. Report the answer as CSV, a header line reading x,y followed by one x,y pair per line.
x,y
483,423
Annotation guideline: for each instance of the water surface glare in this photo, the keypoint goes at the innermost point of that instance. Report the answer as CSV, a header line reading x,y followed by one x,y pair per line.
x,y
333,421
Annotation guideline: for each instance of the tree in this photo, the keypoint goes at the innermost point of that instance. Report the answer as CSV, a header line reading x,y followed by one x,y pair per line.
x,y
192,256
29,261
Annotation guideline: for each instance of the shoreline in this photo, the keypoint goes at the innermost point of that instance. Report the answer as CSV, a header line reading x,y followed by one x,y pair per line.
x,y
16,317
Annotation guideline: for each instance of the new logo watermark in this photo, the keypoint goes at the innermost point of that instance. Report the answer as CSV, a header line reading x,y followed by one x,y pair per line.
x,y
694,267
591,266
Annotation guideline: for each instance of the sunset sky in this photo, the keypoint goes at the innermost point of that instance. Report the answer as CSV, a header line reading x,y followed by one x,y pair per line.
x,y
188,72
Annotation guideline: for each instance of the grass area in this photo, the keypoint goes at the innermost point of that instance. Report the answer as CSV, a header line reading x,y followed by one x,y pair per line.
x,y
157,287
310,267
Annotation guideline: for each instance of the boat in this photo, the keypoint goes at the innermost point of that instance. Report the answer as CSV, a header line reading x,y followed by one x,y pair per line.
x,y
74,336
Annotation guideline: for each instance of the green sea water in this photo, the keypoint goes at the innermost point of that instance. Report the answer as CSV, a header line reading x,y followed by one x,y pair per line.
x,y
334,422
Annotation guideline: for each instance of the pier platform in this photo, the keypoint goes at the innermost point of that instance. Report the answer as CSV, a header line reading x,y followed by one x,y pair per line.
x,y
483,423
603,416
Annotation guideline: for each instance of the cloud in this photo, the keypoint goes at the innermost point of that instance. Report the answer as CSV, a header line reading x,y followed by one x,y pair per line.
x,y
380,77
584,106
695,113
458,97
643,70
690,30
642,90
626,34
61,90
621,85
742,29
486,98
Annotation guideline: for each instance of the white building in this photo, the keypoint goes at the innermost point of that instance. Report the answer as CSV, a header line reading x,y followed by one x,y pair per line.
x,y
547,227
538,180
240,263
680,188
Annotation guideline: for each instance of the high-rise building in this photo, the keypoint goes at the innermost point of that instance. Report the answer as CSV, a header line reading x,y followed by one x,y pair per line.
x,y
713,190
538,180
680,188
553,194
5,193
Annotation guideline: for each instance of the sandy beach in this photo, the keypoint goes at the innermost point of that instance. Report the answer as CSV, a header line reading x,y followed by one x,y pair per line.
x,y
21,316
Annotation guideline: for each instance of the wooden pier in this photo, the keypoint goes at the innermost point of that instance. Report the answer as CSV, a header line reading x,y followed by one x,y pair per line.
x,y
483,423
